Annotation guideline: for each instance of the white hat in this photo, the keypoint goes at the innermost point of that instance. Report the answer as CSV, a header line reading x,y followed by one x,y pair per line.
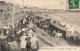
x,y
30,31
23,29
19,32
17,21
5,27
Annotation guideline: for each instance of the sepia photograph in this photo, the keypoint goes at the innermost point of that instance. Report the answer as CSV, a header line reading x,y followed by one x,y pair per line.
x,y
39,25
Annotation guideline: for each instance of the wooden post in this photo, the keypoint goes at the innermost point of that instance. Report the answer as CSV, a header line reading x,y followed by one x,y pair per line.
x,y
13,11
13,16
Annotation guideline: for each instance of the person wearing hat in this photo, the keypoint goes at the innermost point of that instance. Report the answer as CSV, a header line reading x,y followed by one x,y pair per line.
x,y
28,45
23,29
9,29
30,33
34,42
18,36
23,41
5,30
18,24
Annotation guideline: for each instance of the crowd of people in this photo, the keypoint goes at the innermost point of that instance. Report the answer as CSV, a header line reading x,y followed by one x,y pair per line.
x,y
23,36
65,26
61,29
71,33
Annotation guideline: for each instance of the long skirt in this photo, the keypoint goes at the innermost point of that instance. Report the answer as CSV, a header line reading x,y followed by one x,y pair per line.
x,y
23,44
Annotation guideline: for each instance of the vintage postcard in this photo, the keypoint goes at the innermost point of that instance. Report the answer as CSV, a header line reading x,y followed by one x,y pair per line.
x,y
39,25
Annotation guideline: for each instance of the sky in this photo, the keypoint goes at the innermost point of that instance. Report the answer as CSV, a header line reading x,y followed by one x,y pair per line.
x,y
50,4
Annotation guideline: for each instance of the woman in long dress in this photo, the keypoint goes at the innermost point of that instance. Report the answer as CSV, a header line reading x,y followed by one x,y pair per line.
x,y
28,44
23,42
34,42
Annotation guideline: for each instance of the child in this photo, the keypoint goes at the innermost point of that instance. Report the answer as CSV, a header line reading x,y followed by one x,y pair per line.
x,y
23,41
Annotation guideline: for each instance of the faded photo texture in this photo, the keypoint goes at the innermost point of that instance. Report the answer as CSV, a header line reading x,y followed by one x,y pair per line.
x,y
39,25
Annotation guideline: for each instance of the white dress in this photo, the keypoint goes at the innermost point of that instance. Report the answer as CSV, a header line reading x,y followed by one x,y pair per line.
x,y
23,42
33,42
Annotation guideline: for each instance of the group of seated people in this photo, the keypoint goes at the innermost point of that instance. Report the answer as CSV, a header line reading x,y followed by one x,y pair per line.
x,y
71,34
65,26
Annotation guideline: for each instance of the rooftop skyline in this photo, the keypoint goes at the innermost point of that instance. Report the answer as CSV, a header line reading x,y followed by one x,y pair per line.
x,y
50,4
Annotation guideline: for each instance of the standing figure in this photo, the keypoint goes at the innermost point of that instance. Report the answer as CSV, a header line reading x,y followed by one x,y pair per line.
x,y
54,33
5,30
28,44
23,42
34,42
